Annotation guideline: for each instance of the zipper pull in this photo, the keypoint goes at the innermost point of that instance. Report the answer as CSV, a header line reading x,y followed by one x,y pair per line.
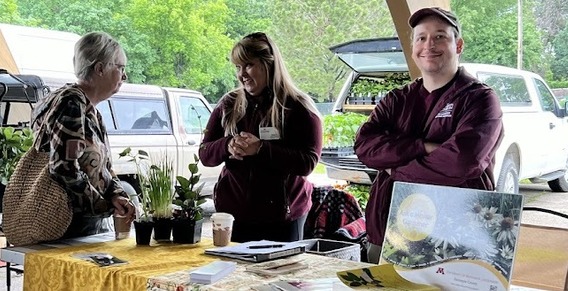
x,y
288,209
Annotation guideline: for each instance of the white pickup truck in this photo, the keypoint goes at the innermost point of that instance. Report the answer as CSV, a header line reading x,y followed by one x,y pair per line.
x,y
535,145
159,120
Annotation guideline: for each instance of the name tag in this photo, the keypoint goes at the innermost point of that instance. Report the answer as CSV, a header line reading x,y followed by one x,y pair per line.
x,y
269,133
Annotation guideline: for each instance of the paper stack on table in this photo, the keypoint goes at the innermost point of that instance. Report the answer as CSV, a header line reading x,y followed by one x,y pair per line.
x,y
212,272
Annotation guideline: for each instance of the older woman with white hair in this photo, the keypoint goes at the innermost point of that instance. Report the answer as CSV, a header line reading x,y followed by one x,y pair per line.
x,y
70,128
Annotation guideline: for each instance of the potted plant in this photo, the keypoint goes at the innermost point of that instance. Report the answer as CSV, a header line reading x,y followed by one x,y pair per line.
x,y
156,181
143,224
339,133
160,194
188,215
13,144
371,91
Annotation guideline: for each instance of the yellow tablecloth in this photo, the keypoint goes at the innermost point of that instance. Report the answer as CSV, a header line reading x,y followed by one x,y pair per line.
x,y
57,269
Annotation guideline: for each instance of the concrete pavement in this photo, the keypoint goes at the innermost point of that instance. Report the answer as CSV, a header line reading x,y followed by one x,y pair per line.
x,y
539,195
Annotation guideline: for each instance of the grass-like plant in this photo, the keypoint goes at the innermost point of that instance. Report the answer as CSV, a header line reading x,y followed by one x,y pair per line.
x,y
156,181
159,183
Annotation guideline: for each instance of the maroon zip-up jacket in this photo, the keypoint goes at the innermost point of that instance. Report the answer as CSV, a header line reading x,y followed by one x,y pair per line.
x,y
270,186
465,119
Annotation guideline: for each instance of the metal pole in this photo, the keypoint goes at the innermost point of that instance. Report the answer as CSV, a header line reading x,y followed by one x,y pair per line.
x,y
520,34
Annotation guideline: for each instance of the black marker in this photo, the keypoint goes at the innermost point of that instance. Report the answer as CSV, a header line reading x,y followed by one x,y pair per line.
x,y
265,246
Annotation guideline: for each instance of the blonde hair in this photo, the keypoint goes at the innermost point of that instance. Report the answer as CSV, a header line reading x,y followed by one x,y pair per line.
x,y
91,48
280,85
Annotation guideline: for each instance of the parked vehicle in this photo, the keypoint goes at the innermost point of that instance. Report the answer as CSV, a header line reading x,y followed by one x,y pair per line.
x,y
158,120
534,147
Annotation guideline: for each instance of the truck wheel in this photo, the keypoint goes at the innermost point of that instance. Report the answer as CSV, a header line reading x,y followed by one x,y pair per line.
x,y
508,181
560,184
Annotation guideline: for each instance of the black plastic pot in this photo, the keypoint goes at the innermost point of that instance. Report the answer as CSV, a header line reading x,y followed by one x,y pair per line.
x,y
143,231
163,229
187,231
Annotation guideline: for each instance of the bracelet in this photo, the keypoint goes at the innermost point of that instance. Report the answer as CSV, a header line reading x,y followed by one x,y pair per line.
x,y
259,147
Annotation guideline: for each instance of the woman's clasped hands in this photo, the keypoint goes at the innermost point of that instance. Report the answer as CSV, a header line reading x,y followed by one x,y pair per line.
x,y
244,144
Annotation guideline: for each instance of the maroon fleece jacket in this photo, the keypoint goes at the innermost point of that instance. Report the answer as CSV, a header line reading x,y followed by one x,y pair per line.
x,y
465,119
270,186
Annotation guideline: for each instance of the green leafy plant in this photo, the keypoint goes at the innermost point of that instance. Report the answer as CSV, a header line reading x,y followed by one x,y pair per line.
x,y
13,144
188,194
140,159
380,86
360,192
339,129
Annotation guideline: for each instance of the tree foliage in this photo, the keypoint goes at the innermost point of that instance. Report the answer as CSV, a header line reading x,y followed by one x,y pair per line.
x,y
560,64
305,29
247,16
186,43
190,48
490,33
9,11
551,18
170,43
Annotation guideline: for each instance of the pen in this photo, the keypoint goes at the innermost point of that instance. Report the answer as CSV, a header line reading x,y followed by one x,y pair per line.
x,y
265,246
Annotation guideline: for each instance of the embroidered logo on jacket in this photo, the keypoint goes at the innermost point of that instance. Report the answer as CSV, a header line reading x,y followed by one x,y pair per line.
x,y
446,111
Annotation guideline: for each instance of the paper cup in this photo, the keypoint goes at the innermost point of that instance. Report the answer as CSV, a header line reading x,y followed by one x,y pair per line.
x,y
222,224
121,227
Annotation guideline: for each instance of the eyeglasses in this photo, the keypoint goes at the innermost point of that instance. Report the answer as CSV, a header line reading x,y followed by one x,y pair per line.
x,y
121,67
262,37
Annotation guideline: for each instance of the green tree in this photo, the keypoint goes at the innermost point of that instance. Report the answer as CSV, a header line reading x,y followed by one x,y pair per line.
x,y
551,18
85,16
9,11
305,29
190,41
247,16
169,43
490,33
560,65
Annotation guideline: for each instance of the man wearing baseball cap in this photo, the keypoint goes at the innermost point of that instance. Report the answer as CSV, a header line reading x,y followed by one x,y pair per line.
x,y
443,128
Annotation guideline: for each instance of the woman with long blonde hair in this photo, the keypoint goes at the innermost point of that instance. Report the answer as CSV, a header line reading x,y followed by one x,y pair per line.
x,y
269,135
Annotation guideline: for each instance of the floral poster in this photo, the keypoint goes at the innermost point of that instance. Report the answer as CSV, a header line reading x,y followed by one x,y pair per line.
x,y
454,238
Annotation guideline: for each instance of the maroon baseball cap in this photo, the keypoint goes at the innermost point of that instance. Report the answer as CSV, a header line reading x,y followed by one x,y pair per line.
x,y
445,15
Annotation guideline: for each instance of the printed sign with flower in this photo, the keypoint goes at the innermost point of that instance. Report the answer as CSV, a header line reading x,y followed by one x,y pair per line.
x,y
456,237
